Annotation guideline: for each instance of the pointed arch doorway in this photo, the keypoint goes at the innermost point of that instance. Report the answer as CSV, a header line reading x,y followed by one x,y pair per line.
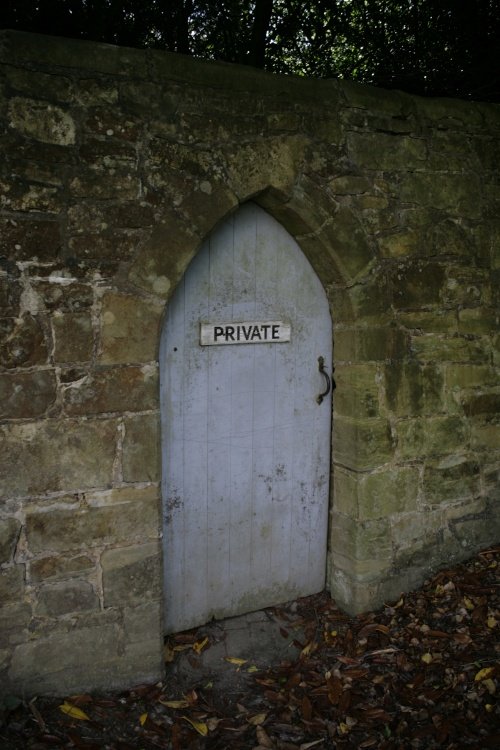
x,y
245,443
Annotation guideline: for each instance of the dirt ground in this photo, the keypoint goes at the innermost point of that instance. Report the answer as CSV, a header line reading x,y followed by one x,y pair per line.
x,y
422,672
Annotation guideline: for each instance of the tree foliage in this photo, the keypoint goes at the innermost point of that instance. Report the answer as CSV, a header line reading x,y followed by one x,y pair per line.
x,y
432,47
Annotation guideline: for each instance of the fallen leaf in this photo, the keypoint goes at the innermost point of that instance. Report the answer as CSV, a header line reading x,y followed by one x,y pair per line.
x,y
253,668
198,646
308,649
373,627
143,719
257,719
307,745
74,712
174,704
426,658
199,726
483,674
235,660
263,738
490,686
306,708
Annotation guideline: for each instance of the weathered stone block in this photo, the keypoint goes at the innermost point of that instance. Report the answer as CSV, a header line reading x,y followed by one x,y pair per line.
x,y
62,598
434,348
370,344
473,533
14,620
350,243
448,238
350,185
120,246
388,492
22,342
114,389
73,337
357,392
365,572
485,435
157,271
450,480
364,443
68,662
136,96
26,394
63,294
437,321
460,376
482,404
386,151
378,495
27,239
129,515
10,296
455,193
56,455
207,200
141,449
60,566
432,436
42,121
34,197
369,301
129,329
399,244
9,534
131,575
412,389
411,529
361,540
418,285
143,623
467,286
109,185
351,595
253,166
87,217
11,584
477,320
32,82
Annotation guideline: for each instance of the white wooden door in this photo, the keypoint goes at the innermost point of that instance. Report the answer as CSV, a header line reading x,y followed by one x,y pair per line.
x,y
245,445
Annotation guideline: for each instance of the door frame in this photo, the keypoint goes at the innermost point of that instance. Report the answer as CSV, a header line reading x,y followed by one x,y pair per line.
x,y
330,405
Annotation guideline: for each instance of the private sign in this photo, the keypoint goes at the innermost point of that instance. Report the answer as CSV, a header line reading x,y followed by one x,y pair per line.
x,y
252,332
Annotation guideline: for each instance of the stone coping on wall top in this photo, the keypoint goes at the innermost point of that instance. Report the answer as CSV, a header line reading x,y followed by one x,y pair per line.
x,y
53,52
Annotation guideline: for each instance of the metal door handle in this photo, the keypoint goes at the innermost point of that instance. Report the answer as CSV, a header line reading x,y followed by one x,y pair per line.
x,y
321,368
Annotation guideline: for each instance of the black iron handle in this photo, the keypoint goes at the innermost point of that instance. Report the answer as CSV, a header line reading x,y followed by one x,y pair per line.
x,y
321,368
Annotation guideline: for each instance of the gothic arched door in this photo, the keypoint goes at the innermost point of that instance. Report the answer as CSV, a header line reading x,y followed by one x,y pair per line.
x,y
245,443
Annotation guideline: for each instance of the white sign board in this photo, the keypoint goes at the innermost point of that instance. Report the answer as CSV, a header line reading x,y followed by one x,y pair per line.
x,y
251,332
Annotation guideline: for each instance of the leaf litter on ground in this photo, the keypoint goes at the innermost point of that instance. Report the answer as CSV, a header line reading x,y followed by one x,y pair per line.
x,y
420,673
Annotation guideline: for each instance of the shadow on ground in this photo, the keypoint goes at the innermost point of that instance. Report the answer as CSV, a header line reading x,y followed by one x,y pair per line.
x,y
232,652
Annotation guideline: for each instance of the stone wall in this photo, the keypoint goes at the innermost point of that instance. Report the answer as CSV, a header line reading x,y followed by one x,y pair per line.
x,y
115,165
